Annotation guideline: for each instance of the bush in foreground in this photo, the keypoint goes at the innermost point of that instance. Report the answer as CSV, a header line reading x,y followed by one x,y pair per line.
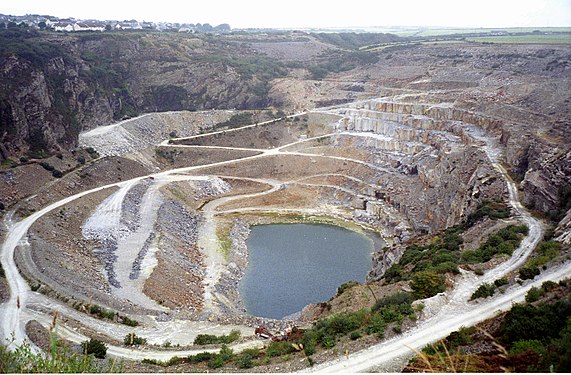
x,y
60,359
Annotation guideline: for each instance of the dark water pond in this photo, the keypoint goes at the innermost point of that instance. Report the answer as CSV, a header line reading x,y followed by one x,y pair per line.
x,y
292,265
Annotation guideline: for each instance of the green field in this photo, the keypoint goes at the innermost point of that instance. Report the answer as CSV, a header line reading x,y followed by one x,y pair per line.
x,y
451,31
525,39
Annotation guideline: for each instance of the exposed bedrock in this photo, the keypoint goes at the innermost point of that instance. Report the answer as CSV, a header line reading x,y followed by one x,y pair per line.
x,y
438,171
441,173
383,260
543,163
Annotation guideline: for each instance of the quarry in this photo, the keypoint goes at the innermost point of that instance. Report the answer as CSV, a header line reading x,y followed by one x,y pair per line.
x,y
152,227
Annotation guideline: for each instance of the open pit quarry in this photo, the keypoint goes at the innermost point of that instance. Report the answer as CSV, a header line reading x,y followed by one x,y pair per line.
x,y
167,248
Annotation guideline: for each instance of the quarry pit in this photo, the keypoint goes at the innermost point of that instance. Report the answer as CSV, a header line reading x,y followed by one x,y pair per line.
x,y
172,245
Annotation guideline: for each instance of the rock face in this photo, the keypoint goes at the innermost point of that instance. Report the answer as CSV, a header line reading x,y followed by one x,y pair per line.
x,y
436,170
563,231
442,173
72,83
383,260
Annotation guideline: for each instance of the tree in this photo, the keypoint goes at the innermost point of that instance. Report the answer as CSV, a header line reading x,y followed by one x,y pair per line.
x,y
42,25
108,27
427,284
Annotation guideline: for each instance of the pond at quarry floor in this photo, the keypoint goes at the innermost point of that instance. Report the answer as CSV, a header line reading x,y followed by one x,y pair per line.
x,y
293,265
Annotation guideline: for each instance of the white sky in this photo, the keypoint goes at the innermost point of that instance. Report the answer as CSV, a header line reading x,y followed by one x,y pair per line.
x,y
310,13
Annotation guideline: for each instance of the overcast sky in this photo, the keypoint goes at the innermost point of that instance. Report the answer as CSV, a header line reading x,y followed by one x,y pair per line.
x,y
310,13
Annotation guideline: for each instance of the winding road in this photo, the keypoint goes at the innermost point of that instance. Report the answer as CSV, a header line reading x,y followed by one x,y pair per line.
x,y
24,305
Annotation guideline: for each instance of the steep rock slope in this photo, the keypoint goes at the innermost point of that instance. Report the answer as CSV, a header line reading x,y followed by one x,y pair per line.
x,y
54,86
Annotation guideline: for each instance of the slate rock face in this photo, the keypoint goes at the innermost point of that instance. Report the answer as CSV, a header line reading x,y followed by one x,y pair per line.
x,y
61,86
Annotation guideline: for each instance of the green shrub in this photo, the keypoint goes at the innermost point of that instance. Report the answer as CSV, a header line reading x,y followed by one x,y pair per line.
x,y
92,152
528,273
216,362
523,346
412,254
309,347
174,361
549,248
200,357
237,120
472,256
355,335
343,287
460,338
328,341
59,359
254,352
245,361
394,299
546,251
394,273
501,282
95,347
446,267
132,339
205,339
548,286
504,241
527,322
57,173
95,310
48,167
152,361
493,210
376,325
277,349
107,314
390,314
484,291
129,322
427,284
533,295
345,323
225,352
452,241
